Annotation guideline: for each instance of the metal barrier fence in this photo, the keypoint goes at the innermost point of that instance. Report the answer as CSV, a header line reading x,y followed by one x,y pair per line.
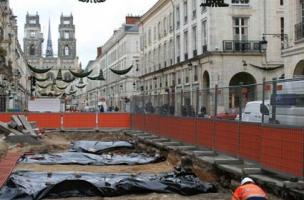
x,y
283,102
259,122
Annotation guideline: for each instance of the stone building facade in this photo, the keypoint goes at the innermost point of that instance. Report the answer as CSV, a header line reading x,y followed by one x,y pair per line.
x,y
119,52
14,84
67,54
294,27
187,48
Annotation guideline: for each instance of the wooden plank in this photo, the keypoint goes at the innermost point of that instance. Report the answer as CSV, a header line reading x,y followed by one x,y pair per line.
x,y
27,126
4,128
20,126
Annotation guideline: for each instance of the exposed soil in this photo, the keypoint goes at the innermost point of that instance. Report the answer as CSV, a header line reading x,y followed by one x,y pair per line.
x,y
149,168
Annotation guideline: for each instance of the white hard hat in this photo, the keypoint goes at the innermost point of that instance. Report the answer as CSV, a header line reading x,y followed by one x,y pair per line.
x,y
246,180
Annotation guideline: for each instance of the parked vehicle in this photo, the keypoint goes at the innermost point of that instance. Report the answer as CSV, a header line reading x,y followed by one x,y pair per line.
x,y
289,102
252,112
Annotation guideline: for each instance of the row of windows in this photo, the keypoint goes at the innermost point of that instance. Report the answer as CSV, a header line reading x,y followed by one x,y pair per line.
x,y
180,77
33,51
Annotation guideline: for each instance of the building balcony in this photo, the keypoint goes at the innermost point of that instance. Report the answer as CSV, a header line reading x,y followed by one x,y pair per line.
x,y
241,45
299,31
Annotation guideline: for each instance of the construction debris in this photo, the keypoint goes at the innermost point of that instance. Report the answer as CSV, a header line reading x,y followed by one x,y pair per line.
x,y
19,130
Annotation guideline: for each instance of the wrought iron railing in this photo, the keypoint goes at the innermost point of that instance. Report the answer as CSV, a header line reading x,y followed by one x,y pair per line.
x,y
299,31
241,45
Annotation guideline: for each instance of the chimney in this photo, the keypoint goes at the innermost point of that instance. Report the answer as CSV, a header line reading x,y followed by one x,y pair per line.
x,y
132,19
99,52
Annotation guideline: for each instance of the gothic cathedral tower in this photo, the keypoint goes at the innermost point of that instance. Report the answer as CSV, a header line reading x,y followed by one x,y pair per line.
x,y
66,41
33,37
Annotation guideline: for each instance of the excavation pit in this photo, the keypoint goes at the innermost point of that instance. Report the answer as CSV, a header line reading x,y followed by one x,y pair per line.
x,y
58,142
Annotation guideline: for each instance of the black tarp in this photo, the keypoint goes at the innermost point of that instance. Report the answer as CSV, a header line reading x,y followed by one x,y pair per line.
x,y
78,158
98,147
38,185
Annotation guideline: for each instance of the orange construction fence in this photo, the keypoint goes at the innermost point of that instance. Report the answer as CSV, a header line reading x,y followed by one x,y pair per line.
x,y
74,120
276,148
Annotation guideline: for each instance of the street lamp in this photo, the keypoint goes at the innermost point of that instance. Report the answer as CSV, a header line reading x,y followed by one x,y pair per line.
x,y
264,42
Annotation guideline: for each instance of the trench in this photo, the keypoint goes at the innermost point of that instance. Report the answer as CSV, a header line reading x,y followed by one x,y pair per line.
x,y
59,142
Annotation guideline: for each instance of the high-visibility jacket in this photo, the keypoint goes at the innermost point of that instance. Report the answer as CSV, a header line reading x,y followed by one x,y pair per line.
x,y
247,191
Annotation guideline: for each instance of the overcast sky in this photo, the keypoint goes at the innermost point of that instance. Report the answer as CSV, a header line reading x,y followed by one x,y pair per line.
x,y
94,22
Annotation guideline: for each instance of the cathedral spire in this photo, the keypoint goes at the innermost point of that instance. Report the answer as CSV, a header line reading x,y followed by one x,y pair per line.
x,y
49,47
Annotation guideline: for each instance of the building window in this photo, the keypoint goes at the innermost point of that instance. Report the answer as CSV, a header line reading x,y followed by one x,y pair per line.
x,y
32,50
195,75
240,28
203,8
204,35
1,34
186,42
240,2
165,26
193,9
185,12
171,22
281,2
178,46
66,51
159,30
149,37
51,76
177,17
194,39
66,35
282,31
302,7
32,34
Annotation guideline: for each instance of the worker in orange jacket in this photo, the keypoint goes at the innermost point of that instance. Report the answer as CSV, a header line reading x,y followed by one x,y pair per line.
x,y
248,190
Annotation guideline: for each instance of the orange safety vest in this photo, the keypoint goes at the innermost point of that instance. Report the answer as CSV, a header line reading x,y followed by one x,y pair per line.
x,y
248,190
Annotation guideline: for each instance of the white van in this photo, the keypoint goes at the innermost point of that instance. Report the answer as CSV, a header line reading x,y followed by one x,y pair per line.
x,y
289,103
252,112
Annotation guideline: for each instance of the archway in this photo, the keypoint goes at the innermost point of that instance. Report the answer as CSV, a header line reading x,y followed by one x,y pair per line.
x,y
299,70
241,95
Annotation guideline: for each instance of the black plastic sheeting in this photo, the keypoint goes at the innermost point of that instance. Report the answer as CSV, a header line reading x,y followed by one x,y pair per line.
x,y
38,185
98,147
78,158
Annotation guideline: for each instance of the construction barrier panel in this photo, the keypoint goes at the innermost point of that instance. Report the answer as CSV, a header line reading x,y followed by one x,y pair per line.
x,y
152,123
79,120
114,120
139,123
250,141
226,137
6,117
205,130
46,120
282,150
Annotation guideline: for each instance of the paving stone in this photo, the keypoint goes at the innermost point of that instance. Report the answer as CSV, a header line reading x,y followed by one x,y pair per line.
x,y
235,169
252,170
204,153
